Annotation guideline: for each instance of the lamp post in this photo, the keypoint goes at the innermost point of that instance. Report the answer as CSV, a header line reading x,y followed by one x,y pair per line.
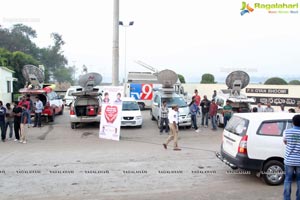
x,y
125,26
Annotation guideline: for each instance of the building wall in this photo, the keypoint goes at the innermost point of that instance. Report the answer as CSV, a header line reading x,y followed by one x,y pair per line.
x,y
6,75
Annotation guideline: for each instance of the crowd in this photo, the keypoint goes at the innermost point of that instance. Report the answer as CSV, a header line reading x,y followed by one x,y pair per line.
x,y
17,118
207,110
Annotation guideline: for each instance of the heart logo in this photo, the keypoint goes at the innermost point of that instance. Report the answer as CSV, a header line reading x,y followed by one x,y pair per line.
x,y
111,113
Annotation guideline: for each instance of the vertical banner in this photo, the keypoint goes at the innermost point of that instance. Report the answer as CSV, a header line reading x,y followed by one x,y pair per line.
x,y
111,114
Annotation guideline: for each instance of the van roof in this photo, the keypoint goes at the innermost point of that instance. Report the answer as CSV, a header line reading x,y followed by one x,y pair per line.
x,y
167,95
260,116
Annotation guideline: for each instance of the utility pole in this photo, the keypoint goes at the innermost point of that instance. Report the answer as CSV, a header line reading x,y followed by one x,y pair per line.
x,y
115,49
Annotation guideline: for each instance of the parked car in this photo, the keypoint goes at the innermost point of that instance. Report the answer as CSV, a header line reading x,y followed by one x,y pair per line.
x,y
53,104
172,98
85,108
69,98
254,142
131,113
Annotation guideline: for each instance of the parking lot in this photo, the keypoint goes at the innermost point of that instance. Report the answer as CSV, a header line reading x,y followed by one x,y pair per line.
x,y
63,163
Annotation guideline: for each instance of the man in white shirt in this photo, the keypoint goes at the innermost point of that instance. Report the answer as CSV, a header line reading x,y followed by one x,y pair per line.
x,y
173,121
259,108
38,109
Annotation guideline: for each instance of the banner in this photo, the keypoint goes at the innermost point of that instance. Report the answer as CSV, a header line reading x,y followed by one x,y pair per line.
x,y
111,114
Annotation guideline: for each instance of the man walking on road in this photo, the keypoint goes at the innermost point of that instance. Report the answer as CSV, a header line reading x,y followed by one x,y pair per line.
x,y
38,112
173,121
292,158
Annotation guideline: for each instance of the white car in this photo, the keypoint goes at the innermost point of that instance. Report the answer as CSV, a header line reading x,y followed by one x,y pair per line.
x,y
69,98
254,142
131,113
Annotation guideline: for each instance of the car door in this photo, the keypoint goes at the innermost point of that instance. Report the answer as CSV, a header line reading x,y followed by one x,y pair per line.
x,y
156,106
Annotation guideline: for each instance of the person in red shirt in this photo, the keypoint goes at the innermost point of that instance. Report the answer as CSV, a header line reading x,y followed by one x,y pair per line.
x,y
197,98
213,109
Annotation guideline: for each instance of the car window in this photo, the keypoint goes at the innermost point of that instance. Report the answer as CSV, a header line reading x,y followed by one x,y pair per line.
x,y
220,102
175,100
130,105
272,128
289,124
237,125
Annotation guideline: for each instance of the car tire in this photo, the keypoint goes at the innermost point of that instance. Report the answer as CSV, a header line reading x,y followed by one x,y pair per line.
x,y
73,125
140,126
152,117
219,122
273,172
62,111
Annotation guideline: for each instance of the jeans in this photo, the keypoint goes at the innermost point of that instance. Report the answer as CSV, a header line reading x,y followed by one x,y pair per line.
x,y
37,119
194,121
213,121
289,172
2,127
204,116
10,125
226,118
164,122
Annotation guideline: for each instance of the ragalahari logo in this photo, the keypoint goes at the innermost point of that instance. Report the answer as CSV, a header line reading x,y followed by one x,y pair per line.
x,y
246,8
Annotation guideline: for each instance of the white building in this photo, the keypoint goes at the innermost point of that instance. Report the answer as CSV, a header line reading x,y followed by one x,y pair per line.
x,y
6,85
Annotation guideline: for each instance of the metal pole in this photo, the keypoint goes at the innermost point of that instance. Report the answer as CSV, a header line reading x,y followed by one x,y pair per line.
x,y
125,56
115,53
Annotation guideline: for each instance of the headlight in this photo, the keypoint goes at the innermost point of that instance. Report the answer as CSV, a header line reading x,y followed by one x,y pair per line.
x,y
139,117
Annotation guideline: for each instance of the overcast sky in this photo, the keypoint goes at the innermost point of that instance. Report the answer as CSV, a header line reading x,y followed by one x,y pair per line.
x,y
191,37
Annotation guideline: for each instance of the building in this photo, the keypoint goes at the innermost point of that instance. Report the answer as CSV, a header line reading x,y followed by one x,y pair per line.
x,y
6,84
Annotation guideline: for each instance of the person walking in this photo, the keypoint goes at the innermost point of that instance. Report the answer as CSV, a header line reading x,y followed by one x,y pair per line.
x,y
17,112
205,103
2,121
292,158
213,109
164,121
173,121
194,109
38,112
227,112
24,123
9,120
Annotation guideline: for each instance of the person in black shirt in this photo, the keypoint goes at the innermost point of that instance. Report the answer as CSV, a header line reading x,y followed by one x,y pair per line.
x,y
17,111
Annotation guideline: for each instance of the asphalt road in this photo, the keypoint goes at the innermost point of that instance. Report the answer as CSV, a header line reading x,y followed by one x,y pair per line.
x,y
61,163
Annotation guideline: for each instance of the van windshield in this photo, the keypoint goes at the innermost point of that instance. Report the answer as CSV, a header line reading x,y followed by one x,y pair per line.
x,y
130,105
175,100
237,125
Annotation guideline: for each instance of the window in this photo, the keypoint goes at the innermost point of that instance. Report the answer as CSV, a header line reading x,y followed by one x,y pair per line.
x,y
8,87
273,128
220,102
237,125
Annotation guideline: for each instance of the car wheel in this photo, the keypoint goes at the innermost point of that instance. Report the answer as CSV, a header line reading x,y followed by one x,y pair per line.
x,y
188,127
62,111
73,125
140,126
219,122
273,172
152,117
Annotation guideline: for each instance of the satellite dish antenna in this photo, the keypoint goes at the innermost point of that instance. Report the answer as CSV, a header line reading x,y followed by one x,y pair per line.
x,y
33,75
167,78
90,80
236,81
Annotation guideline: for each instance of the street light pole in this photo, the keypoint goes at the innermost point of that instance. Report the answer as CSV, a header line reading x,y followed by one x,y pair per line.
x,y
125,48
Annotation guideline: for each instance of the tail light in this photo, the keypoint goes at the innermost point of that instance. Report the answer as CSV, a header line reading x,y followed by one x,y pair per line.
x,y
243,145
72,110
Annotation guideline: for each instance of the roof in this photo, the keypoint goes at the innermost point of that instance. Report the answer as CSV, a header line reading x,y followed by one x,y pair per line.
x,y
6,69
259,116
141,77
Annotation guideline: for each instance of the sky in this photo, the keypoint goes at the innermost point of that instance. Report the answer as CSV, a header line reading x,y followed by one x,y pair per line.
x,y
191,37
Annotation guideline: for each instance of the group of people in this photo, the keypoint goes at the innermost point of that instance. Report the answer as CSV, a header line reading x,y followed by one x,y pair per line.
x,y
18,118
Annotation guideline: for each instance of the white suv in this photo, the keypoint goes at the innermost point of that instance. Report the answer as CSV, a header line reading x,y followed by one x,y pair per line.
x,y
254,142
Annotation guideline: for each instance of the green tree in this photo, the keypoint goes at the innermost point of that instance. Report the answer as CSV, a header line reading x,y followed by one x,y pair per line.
x,y
208,78
181,78
64,75
294,82
275,81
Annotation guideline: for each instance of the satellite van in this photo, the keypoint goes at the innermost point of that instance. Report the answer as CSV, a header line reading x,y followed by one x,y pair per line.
x,y
167,93
35,86
240,103
86,106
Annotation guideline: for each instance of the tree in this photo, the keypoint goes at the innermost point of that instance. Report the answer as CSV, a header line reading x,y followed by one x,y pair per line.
x,y
275,81
181,78
208,78
294,82
64,75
